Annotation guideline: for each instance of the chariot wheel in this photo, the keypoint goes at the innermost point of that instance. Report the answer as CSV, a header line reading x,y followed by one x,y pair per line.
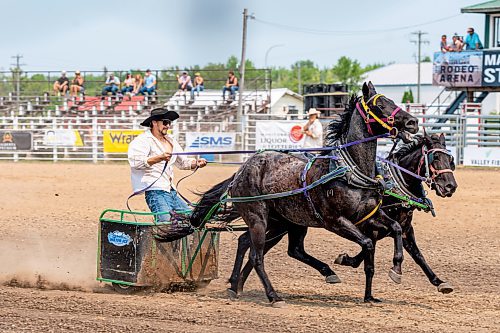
x,y
126,289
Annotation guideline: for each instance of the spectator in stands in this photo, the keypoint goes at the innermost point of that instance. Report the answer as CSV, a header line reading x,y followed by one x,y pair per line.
x,y
444,44
61,85
149,86
152,167
185,83
112,85
313,130
128,84
138,82
231,85
77,85
472,41
199,83
456,45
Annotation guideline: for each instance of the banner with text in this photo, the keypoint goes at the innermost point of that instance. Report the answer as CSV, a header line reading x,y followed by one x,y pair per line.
x,y
278,134
203,141
117,141
482,156
62,137
457,69
16,140
491,68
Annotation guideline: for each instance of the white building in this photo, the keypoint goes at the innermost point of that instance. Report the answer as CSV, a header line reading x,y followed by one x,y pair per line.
x,y
393,80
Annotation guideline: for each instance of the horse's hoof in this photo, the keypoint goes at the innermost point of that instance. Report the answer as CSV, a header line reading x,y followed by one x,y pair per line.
x,y
332,279
340,259
395,276
372,299
445,288
233,295
278,304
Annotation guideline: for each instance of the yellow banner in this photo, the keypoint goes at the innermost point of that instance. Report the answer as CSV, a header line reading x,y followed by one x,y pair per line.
x,y
117,141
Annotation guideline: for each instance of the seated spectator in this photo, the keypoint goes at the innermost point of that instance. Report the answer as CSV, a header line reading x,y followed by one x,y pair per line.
x,y
185,83
231,85
199,83
472,41
112,85
77,85
138,82
456,45
128,84
149,86
61,85
444,44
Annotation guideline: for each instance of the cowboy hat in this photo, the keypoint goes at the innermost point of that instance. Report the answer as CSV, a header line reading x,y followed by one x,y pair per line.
x,y
160,114
313,111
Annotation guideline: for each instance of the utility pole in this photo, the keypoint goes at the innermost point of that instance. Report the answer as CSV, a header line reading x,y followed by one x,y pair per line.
x,y
17,72
242,68
419,42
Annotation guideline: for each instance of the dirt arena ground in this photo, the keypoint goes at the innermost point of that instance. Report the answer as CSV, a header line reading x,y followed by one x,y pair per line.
x,y
48,225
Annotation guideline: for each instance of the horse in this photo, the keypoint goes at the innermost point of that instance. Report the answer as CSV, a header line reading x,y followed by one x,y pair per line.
x,y
411,156
336,205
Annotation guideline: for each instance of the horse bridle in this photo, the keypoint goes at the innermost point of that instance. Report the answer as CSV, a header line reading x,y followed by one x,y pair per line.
x,y
427,158
387,123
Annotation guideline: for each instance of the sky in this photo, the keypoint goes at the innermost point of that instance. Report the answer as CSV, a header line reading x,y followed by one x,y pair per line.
x,y
122,35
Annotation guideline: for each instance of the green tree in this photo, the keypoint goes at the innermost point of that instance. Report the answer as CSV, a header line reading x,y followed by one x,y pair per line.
x,y
407,96
348,71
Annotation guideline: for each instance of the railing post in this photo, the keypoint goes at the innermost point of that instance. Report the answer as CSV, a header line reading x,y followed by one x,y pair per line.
x,y
94,140
54,147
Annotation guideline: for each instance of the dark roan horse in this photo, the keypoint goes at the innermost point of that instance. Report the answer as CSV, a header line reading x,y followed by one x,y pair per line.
x,y
336,206
411,156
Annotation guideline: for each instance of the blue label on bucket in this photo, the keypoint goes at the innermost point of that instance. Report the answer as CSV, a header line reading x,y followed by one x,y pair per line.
x,y
119,238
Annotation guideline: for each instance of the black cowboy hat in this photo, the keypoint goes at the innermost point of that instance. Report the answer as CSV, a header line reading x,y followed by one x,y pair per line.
x,y
160,114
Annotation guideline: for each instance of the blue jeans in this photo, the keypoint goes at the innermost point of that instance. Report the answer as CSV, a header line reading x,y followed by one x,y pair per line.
x,y
110,89
232,89
162,201
128,89
145,89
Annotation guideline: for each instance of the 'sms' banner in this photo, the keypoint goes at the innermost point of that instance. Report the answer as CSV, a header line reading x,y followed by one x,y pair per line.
x,y
117,141
198,141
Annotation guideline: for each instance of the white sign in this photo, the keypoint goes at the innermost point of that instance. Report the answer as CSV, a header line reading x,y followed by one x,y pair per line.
x,y
278,134
61,137
481,156
199,141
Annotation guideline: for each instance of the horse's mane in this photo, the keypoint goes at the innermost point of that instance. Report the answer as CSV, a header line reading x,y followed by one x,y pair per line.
x,y
338,127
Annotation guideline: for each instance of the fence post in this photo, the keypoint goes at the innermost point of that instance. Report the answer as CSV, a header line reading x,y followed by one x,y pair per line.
x,y
54,148
15,126
94,140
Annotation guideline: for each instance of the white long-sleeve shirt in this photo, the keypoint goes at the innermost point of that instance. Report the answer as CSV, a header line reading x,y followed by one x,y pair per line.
x,y
141,149
316,140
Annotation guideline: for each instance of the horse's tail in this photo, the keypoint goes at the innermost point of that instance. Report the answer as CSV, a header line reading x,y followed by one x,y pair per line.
x,y
210,202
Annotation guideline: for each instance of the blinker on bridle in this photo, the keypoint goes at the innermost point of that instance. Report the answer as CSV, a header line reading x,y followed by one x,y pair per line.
x,y
387,123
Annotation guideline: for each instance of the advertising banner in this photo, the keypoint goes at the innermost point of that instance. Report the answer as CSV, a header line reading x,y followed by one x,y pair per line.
x,y
279,134
491,68
482,156
117,141
203,141
457,69
16,140
62,137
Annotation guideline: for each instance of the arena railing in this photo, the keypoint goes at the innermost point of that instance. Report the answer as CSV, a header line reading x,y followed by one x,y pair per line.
x,y
82,139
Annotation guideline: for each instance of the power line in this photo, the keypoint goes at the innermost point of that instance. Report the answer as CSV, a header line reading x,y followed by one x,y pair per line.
x,y
349,32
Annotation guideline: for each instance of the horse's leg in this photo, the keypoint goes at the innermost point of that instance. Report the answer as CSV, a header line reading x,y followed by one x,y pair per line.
x,y
396,232
273,237
346,260
410,245
296,235
256,218
348,230
243,246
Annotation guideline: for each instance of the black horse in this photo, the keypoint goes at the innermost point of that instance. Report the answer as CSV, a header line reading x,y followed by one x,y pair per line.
x,y
338,206
410,156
